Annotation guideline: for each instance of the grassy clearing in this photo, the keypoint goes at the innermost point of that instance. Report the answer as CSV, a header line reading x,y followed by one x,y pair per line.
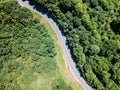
x,y
64,72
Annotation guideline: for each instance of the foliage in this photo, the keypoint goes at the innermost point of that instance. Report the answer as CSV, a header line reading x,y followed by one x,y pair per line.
x,y
26,50
61,85
92,29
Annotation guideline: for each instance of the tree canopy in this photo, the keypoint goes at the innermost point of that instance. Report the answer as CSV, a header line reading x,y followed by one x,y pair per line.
x,y
92,29
27,51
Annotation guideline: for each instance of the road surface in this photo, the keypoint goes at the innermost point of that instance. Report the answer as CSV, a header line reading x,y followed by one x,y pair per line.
x,y
61,39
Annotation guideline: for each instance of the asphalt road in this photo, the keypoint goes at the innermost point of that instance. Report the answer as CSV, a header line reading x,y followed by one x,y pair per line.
x,y
70,64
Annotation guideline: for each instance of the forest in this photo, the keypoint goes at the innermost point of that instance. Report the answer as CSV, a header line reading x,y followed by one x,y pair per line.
x,y
92,29
27,55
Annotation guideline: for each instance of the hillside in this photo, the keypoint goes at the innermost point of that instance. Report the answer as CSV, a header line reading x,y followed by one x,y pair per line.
x,y
92,29
28,52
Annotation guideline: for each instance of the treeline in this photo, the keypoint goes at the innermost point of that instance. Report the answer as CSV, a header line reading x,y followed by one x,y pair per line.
x,y
26,50
92,29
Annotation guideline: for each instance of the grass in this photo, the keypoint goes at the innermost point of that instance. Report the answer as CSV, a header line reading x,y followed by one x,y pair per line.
x,y
64,72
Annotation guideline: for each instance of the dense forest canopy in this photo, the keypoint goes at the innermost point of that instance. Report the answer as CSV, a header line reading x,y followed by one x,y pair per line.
x,y
92,28
27,55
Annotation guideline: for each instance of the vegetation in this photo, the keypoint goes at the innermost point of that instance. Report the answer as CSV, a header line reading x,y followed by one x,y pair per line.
x,y
92,29
27,55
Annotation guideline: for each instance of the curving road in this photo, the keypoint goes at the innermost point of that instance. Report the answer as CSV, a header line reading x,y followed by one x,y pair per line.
x,y
70,64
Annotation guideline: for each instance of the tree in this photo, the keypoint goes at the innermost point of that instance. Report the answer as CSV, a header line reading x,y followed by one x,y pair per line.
x,y
93,50
108,47
79,55
66,4
76,22
116,73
